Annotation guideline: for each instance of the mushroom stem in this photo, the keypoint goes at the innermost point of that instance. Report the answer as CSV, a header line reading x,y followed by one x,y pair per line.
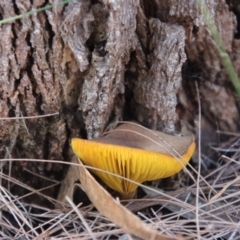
x,y
126,196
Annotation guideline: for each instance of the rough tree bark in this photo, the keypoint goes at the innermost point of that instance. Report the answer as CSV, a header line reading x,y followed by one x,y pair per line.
x,y
96,62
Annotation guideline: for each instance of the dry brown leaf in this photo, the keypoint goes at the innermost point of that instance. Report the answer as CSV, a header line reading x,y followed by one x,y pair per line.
x,y
67,185
112,209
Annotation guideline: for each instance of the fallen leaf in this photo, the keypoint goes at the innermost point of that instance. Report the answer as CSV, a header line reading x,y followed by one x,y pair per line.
x,y
113,210
67,185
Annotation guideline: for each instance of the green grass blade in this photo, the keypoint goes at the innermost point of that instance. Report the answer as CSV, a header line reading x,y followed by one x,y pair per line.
x,y
226,61
7,20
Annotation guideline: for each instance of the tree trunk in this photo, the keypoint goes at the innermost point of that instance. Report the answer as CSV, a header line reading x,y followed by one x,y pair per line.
x,y
97,62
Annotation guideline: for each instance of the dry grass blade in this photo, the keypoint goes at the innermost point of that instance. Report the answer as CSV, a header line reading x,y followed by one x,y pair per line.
x,y
81,217
225,188
199,163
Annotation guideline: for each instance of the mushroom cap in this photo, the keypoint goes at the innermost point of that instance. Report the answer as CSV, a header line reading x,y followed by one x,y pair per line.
x,y
136,153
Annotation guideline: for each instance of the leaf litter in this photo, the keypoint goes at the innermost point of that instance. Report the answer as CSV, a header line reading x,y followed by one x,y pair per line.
x,y
172,213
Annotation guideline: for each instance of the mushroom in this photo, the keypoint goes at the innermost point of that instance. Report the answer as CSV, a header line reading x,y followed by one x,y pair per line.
x,y
135,153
